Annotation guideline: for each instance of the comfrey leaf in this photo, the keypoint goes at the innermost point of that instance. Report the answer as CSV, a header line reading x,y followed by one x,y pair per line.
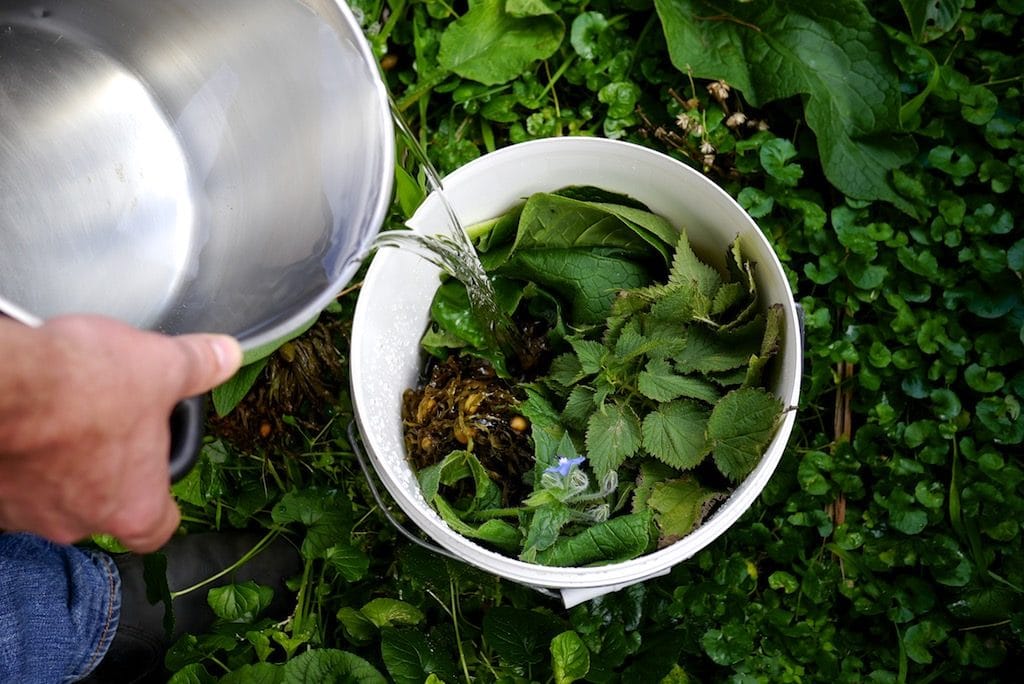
x,y
618,539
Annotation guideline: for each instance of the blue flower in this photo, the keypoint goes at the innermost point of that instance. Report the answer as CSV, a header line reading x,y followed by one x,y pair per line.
x,y
565,465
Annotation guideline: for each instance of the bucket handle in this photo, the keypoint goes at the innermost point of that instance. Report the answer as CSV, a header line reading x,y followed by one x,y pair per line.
x,y
357,448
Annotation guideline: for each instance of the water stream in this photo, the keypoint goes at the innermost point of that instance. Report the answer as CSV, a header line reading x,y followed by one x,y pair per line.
x,y
452,251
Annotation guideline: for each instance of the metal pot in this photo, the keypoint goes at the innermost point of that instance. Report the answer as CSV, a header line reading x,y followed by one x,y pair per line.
x,y
187,165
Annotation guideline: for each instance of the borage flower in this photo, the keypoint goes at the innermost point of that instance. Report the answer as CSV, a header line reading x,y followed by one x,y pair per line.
x,y
565,464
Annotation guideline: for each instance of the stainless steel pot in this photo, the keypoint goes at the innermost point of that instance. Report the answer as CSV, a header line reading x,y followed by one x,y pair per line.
x,y
187,165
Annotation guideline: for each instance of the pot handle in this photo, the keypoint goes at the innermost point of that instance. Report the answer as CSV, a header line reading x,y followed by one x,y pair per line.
x,y
186,435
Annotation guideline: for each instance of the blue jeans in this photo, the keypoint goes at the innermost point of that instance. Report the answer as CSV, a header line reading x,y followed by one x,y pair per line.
x,y
59,607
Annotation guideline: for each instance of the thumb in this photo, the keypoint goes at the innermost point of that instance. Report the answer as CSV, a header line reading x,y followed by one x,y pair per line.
x,y
206,361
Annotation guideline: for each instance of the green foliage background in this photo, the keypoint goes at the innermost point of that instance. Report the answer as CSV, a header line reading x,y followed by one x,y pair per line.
x,y
882,154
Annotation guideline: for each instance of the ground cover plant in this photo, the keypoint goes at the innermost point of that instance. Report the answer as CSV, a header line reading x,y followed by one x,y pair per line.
x,y
880,147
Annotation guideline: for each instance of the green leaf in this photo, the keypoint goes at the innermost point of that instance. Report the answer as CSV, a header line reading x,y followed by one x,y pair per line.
x,y
740,427
833,54
570,658
330,666
658,382
348,561
389,612
239,602
519,636
586,30
154,575
326,515
674,433
194,673
230,394
410,658
687,268
613,435
919,638
358,628
728,645
682,505
256,673
491,45
618,539
930,19
545,526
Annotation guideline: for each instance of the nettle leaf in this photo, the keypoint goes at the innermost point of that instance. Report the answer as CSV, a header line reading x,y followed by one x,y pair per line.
x,y
613,435
740,427
687,268
659,382
491,45
674,433
682,505
834,54
579,406
708,352
589,353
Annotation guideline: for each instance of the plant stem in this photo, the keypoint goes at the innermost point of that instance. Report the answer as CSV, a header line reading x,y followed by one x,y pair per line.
x,y
249,555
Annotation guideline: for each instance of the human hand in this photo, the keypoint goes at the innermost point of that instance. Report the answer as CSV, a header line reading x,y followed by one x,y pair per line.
x,y
84,432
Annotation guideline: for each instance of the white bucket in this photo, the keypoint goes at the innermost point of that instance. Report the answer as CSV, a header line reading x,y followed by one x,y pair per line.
x,y
392,314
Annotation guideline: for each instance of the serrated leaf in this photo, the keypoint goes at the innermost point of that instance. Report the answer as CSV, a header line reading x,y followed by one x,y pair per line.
x,y
706,352
674,433
613,435
579,406
651,472
658,381
566,370
589,354
740,427
687,269
681,505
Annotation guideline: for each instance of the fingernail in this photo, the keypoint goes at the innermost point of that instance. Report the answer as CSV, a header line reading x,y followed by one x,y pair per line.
x,y
227,350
